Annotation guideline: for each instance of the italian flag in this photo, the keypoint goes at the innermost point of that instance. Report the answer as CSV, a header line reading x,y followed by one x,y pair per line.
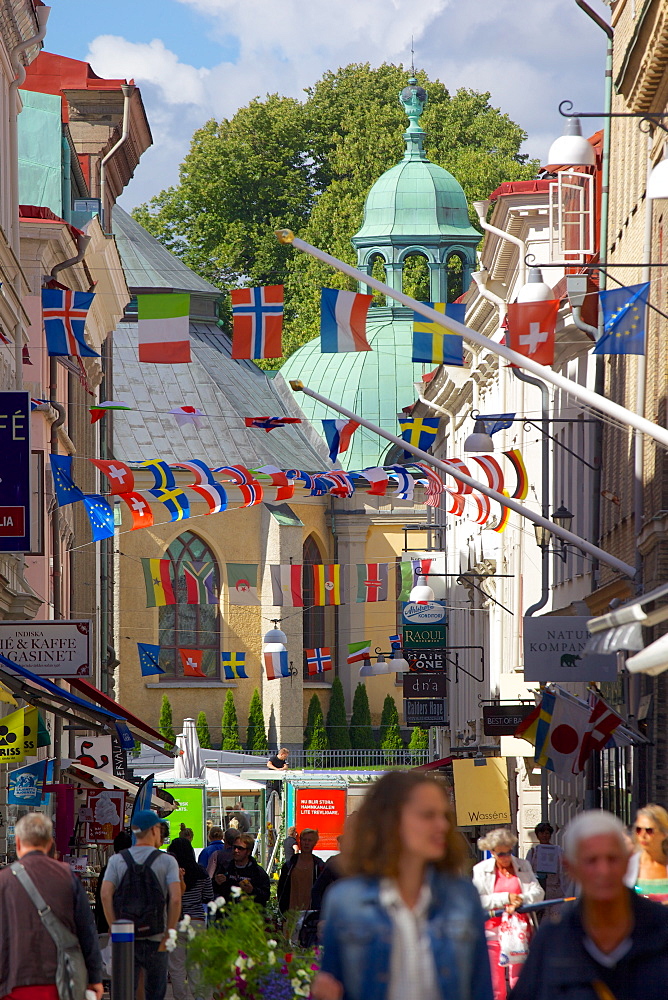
x,y
358,651
164,328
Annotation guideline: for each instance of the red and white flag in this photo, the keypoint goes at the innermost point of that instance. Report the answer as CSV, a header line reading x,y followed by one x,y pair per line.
x,y
142,515
286,586
121,479
602,724
531,329
192,662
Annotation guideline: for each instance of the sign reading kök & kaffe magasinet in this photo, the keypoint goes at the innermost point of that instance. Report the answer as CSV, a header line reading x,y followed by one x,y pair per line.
x,y
48,648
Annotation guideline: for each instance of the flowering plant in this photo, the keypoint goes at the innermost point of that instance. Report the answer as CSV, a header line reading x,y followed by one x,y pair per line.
x,y
241,956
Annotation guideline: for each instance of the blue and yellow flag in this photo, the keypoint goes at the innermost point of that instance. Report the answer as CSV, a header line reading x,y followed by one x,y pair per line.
x,y
432,343
419,431
234,665
623,320
175,501
163,475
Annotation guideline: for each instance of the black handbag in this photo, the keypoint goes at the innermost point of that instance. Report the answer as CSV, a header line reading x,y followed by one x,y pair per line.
x,y
71,973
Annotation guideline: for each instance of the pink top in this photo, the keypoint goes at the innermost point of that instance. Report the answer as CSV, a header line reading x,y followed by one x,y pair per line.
x,y
503,883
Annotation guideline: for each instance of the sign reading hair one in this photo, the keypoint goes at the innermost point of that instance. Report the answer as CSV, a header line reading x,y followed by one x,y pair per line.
x,y
554,651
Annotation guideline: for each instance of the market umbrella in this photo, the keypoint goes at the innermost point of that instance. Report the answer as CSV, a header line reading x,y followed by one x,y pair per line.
x,y
188,765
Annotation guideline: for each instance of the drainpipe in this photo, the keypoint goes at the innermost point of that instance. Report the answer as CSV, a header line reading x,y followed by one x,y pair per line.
x,y
82,245
128,90
482,207
66,197
42,16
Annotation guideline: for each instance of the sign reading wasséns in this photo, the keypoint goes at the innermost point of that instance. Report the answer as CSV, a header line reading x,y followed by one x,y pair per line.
x,y
425,685
15,476
424,636
425,711
48,648
430,660
554,651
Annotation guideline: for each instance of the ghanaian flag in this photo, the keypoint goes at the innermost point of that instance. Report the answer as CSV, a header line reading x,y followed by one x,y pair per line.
x,y
327,587
158,580
434,344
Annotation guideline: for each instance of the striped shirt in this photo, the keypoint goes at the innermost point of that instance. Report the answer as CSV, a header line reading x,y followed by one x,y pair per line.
x,y
194,900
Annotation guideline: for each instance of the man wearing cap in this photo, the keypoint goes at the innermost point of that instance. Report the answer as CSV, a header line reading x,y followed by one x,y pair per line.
x,y
150,952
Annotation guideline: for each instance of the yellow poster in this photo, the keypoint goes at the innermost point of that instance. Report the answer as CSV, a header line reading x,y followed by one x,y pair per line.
x,y
481,791
12,737
30,731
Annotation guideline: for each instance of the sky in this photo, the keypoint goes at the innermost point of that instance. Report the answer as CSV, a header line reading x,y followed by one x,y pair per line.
x,y
198,59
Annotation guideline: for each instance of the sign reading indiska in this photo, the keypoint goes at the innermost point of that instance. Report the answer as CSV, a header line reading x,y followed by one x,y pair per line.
x,y
48,648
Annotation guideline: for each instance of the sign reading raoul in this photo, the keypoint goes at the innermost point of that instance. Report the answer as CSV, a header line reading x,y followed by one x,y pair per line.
x,y
48,648
554,651
424,636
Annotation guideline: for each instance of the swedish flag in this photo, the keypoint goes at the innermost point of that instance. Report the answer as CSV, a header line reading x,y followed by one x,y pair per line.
x,y
234,665
175,501
163,475
419,431
432,343
623,320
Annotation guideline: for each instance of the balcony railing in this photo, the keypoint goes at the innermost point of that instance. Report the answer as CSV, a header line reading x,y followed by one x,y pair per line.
x,y
325,760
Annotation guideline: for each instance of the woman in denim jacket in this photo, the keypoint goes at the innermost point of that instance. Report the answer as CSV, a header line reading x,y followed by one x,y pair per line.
x,y
406,926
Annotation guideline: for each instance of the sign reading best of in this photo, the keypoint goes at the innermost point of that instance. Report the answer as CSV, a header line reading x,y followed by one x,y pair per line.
x,y
48,648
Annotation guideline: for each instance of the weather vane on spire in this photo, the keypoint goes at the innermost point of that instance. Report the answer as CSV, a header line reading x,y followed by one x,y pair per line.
x,y
412,58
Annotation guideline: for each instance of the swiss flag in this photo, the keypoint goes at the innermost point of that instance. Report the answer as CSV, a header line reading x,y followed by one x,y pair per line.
x,y
531,329
192,662
121,479
142,515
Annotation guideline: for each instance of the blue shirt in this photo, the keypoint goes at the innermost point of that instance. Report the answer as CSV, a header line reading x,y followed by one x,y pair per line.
x,y
205,854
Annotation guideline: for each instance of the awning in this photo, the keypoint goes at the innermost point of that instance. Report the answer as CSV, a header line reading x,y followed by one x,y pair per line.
x,y
108,703
114,780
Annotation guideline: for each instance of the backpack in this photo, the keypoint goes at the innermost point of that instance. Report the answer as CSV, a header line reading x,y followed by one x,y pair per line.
x,y
139,896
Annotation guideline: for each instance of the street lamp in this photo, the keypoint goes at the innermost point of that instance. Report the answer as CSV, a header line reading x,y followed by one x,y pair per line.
x,y
396,665
571,149
564,518
479,440
536,289
657,182
421,592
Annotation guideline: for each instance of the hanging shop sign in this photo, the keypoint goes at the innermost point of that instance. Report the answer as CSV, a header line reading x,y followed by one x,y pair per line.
x,y
15,493
431,613
554,651
503,720
48,648
425,711
430,660
424,685
424,636
107,809
190,811
95,752
481,791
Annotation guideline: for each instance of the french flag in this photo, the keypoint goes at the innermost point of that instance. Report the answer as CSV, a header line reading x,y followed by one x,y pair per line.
x,y
338,434
276,665
343,321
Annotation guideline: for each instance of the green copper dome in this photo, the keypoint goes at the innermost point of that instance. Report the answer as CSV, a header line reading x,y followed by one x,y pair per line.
x,y
415,208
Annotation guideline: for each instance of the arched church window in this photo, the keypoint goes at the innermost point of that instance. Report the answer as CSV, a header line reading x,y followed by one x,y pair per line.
x,y
315,618
455,268
415,277
191,626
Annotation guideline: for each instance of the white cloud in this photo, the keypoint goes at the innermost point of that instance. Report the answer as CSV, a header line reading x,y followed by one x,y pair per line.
x,y
529,56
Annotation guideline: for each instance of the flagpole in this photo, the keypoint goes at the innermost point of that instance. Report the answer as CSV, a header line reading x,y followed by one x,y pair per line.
x,y
587,396
451,470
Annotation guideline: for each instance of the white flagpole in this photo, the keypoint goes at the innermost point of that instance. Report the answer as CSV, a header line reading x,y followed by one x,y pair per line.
x,y
587,396
567,536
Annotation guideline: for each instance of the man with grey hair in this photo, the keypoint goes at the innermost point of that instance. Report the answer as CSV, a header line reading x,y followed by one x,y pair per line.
x,y
612,944
28,955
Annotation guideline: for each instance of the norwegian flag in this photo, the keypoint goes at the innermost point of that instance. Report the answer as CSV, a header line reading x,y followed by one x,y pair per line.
x,y
600,727
142,515
270,423
64,313
257,315
121,479
318,660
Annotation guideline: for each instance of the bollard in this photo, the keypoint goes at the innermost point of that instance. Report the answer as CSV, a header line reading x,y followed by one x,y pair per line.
x,y
122,960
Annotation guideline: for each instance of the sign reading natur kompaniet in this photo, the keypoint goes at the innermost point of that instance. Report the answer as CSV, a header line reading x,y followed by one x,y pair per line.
x,y
48,648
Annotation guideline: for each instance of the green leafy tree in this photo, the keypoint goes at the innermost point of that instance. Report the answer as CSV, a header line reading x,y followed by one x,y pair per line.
x,y
337,723
308,165
419,739
391,738
203,733
361,730
166,724
318,736
256,735
230,726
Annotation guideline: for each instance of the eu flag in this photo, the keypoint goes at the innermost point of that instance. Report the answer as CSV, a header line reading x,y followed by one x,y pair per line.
x,y
623,320
66,489
100,515
149,659
432,343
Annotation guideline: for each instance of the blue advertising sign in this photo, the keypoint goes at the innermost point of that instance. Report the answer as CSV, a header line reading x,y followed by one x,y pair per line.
x,y
15,472
26,784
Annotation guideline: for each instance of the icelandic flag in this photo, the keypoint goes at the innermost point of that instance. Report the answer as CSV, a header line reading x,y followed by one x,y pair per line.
x,y
270,423
257,316
338,434
318,660
276,665
64,313
343,321
149,659
434,344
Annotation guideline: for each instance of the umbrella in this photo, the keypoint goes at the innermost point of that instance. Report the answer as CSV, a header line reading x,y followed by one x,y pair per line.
x,y
188,765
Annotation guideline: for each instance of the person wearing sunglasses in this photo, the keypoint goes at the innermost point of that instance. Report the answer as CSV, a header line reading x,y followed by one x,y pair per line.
x,y
503,880
647,872
243,871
